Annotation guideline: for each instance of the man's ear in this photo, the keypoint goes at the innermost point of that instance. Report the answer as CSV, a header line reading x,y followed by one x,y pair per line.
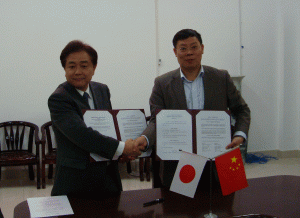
x,y
95,67
175,51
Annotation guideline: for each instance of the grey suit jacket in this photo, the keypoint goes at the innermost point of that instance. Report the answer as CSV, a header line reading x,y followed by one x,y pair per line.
x,y
74,172
219,94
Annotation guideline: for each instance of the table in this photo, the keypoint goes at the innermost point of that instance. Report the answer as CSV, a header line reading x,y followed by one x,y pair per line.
x,y
277,195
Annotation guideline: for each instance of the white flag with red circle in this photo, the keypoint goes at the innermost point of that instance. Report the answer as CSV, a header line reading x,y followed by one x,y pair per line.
x,y
188,173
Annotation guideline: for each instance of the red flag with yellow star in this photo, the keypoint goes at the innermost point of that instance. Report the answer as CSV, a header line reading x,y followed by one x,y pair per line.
x,y
231,171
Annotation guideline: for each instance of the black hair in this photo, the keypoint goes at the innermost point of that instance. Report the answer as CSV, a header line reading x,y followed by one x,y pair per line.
x,y
76,46
184,34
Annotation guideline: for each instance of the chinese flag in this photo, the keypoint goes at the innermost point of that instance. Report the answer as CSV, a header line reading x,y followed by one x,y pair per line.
x,y
231,171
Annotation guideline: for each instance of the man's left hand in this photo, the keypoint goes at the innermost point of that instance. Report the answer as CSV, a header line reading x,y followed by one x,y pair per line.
x,y
236,141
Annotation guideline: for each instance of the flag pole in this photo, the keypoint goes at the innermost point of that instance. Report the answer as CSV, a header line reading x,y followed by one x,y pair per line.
x,y
210,214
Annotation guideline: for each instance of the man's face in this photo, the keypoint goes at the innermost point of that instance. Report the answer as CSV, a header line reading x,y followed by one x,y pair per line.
x,y
189,53
79,70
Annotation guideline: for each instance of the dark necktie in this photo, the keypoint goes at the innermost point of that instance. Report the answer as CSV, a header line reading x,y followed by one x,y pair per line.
x,y
86,97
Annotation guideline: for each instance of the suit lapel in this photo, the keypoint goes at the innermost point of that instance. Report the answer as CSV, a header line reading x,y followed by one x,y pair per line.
x,y
209,84
76,94
178,90
96,97
101,96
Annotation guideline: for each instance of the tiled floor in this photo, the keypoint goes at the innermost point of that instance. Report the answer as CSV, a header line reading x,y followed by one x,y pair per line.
x,y
16,187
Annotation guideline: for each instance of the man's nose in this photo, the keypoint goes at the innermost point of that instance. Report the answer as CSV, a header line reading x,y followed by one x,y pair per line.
x,y
78,70
189,51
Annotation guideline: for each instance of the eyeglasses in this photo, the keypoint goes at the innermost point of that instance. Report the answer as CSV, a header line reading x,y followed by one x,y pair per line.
x,y
185,49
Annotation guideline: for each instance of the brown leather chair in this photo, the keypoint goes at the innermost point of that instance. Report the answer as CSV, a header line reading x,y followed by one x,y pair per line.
x,y
48,151
144,164
13,151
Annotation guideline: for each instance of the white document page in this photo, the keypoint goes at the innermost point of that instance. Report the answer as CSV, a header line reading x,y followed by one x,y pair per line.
x,y
131,125
213,133
101,121
174,133
49,206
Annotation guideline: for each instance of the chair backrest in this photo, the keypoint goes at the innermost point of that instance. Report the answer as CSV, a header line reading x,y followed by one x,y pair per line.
x,y
48,139
16,133
46,130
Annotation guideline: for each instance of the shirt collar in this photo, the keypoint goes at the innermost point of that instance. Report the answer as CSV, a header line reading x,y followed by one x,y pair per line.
x,y
87,91
200,74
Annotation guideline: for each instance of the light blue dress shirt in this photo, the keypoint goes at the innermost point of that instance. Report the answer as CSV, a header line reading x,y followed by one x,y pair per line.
x,y
194,93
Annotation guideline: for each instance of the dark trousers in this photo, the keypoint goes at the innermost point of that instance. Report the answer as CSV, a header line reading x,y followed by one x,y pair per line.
x,y
96,181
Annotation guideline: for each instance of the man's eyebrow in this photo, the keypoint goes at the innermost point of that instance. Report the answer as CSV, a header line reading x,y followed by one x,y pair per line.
x,y
182,44
73,62
185,44
83,62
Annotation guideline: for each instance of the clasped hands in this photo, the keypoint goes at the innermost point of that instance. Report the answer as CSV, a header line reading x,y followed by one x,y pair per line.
x,y
133,149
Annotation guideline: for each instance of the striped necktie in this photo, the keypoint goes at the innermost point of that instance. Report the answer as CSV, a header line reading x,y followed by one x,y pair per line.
x,y
86,97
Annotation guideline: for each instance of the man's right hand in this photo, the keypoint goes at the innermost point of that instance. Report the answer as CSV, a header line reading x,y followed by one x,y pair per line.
x,y
131,149
141,143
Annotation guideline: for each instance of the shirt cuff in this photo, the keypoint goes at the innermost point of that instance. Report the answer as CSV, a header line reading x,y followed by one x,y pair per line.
x,y
147,147
240,133
119,150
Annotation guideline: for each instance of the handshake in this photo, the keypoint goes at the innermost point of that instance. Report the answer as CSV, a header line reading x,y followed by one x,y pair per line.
x,y
133,149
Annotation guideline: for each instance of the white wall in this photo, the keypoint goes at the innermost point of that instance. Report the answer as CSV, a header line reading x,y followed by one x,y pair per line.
x,y
291,91
217,22
270,35
33,33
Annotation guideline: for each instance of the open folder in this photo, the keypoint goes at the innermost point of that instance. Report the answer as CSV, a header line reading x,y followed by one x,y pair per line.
x,y
202,132
118,124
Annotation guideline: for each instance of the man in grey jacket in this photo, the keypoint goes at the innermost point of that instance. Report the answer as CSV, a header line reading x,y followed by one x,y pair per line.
x,y
194,86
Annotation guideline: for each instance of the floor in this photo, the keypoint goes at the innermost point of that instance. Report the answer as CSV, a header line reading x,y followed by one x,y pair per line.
x,y
16,187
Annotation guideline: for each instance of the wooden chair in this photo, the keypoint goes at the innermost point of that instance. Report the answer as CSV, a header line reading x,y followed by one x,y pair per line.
x,y
48,151
144,163
13,152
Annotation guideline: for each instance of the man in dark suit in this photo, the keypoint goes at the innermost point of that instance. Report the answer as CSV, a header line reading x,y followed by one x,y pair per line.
x,y
194,86
1,215
75,174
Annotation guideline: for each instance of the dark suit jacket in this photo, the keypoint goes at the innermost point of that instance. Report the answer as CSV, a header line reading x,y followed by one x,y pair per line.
x,y
74,172
219,94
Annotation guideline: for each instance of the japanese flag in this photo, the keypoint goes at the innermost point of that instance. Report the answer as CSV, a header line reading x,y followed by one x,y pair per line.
x,y
188,174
